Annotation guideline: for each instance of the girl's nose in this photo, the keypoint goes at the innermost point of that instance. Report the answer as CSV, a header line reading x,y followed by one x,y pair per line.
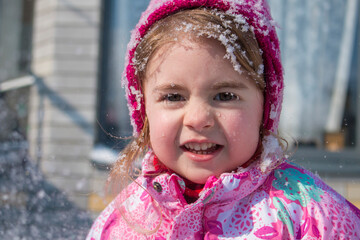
x,y
199,117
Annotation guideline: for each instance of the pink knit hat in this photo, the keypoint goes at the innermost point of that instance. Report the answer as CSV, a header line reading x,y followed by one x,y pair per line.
x,y
257,15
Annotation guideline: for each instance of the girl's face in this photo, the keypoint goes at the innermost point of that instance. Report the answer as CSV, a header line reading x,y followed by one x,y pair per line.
x,y
204,117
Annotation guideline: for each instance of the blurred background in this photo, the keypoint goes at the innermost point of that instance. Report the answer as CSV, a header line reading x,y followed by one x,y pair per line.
x,y
61,98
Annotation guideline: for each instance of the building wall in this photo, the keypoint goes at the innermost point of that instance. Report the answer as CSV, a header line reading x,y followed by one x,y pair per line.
x,y
63,101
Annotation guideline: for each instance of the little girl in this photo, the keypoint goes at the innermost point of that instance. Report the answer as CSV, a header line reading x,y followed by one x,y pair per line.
x,y
204,84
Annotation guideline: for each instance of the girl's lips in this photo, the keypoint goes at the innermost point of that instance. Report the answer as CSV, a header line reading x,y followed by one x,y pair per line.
x,y
201,151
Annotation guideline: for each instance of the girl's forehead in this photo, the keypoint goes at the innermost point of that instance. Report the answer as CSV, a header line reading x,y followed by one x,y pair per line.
x,y
178,51
191,39
209,46
188,58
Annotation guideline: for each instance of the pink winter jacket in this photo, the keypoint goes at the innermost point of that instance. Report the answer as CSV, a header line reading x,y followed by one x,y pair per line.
x,y
268,200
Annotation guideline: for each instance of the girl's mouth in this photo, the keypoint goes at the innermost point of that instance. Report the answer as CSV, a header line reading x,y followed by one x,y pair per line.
x,y
201,148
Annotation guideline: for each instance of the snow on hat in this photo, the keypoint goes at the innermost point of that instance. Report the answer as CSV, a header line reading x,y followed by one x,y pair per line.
x,y
255,12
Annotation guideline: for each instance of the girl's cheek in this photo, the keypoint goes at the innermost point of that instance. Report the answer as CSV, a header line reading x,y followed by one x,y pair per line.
x,y
236,127
164,126
241,126
234,119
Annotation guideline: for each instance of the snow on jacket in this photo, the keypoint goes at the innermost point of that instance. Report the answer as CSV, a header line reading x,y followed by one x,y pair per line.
x,y
267,200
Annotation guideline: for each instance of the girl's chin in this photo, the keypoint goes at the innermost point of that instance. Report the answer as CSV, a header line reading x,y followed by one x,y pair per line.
x,y
198,179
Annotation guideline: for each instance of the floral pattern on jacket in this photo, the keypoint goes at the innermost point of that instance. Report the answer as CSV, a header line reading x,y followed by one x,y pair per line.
x,y
283,202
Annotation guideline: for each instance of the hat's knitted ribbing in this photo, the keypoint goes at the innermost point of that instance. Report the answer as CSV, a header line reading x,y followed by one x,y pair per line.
x,y
257,15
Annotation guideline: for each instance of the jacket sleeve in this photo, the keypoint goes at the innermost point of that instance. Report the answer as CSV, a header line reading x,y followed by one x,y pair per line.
x,y
310,209
340,219
110,222
103,223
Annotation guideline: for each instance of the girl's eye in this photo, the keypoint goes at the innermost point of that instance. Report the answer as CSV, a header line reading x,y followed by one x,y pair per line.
x,y
173,97
225,96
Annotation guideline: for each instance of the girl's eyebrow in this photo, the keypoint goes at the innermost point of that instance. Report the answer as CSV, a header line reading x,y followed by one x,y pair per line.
x,y
216,86
168,86
229,84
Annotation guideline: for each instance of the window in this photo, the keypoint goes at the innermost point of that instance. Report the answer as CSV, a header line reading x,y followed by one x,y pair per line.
x,y
15,38
320,54
15,56
119,18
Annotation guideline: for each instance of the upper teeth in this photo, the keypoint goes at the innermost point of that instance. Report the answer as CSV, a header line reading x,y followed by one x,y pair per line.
x,y
199,146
